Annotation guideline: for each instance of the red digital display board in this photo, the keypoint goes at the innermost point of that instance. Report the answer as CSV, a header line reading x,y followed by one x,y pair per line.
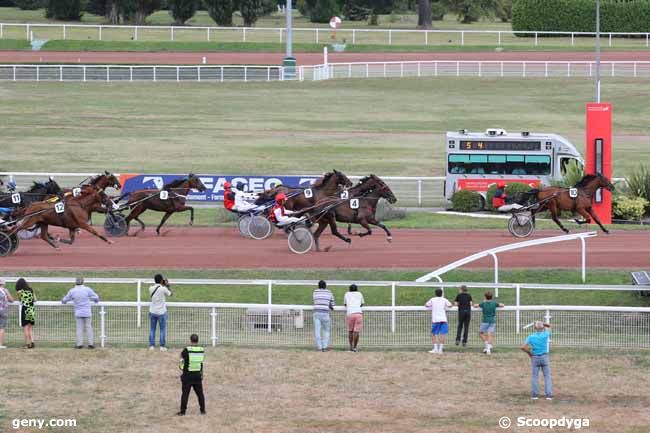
x,y
598,158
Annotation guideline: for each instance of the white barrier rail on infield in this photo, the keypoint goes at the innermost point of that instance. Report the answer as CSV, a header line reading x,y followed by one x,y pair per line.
x,y
395,319
292,325
474,68
131,73
317,35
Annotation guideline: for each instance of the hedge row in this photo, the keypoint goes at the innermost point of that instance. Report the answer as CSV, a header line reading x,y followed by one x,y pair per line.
x,y
580,15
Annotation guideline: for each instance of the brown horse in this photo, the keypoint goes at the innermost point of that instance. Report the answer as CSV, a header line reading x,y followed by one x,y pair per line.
x,y
364,196
298,198
557,199
170,199
71,212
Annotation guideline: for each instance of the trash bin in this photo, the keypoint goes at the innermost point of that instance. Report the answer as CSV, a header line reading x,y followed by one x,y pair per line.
x,y
289,64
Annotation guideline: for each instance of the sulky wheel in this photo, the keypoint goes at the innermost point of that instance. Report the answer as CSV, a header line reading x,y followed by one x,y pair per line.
x,y
520,228
301,240
116,225
15,240
243,222
6,245
260,228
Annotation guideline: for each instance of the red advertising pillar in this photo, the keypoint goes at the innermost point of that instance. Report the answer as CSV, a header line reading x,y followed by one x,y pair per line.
x,y
598,156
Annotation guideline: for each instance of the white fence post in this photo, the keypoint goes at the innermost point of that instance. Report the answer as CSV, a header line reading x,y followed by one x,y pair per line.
x,y
100,33
499,38
208,34
135,33
84,68
518,304
64,32
573,39
610,39
60,73
245,73
392,311
1,30
178,73
27,30
583,258
536,42
280,34
38,73
419,187
317,34
102,327
139,300
496,273
270,302
458,69
354,36
213,317
426,37
244,34
462,38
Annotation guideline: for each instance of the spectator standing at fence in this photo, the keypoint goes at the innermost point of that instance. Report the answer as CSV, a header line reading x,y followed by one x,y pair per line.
x,y
464,303
192,366
5,299
488,321
82,298
353,301
323,304
439,327
158,311
27,311
536,346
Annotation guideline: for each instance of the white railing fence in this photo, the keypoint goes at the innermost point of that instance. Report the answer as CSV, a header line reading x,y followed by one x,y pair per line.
x,y
127,73
392,325
115,324
474,68
32,31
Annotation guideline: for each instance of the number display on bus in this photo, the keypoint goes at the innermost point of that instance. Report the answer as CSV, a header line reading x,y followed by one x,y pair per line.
x,y
500,145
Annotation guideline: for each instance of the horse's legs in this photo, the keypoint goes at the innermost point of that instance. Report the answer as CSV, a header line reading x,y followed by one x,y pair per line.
x,y
162,221
552,207
45,235
321,226
591,213
389,236
335,231
365,225
134,214
73,234
350,229
183,208
84,225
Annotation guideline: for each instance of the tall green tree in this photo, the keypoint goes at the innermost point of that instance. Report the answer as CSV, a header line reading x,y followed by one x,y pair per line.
x,y
321,11
469,11
65,10
424,14
144,8
250,11
182,10
220,11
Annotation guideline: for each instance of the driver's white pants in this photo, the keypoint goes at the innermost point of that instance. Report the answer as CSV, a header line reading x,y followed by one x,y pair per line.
x,y
287,221
246,207
509,207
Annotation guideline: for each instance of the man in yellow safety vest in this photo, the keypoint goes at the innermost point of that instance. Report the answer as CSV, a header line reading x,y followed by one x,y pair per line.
x,y
192,366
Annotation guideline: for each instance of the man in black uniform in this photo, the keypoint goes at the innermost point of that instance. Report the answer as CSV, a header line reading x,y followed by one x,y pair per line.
x,y
464,302
192,377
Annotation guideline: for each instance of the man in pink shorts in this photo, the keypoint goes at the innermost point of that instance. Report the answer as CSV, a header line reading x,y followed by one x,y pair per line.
x,y
353,301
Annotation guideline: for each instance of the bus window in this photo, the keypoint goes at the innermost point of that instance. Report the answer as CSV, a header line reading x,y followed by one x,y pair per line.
x,y
516,165
458,164
538,164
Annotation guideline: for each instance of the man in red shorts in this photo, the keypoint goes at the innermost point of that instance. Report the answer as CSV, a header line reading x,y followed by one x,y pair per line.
x,y
353,301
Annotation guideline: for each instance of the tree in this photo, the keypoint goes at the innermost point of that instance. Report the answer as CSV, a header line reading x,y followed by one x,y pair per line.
x,y
321,11
250,11
30,5
182,10
66,10
220,11
144,8
469,11
424,14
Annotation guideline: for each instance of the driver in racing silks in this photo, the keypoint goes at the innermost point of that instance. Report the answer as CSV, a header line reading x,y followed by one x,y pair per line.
x,y
281,214
235,199
499,199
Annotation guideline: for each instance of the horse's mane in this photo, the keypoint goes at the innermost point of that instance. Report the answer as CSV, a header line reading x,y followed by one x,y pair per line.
x,y
364,179
585,180
93,180
176,183
35,186
323,180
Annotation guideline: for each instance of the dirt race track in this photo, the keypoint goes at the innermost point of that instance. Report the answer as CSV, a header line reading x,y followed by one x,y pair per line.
x,y
227,58
218,248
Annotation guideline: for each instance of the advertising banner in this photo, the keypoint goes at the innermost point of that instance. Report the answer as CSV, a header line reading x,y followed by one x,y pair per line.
x,y
598,157
213,183
482,185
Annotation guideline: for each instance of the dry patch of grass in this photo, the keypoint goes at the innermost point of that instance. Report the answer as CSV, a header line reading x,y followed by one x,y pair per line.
x,y
120,390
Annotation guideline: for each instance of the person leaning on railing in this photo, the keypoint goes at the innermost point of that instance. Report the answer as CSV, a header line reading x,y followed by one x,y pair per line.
x,y
81,297
27,311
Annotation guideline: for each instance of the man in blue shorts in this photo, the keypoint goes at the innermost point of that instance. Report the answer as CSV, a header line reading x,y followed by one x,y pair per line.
x,y
439,328
488,321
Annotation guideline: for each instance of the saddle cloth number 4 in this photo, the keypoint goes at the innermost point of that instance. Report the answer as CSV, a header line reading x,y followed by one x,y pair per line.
x,y
354,203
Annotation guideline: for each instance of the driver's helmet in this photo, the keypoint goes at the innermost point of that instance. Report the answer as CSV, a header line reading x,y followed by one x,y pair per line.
x,y
227,185
501,184
280,197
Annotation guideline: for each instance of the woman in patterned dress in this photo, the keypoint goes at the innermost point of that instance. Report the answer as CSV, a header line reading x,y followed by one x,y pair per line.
x,y
27,311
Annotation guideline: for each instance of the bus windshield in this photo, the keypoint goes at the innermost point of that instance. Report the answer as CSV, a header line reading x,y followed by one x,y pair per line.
x,y
460,163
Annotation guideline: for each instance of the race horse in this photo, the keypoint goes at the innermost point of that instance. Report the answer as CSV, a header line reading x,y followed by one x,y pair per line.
x,y
37,192
103,181
557,199
327,186
69,212
365,196
170,199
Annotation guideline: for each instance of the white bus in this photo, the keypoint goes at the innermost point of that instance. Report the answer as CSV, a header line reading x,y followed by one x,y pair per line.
x,y
476,160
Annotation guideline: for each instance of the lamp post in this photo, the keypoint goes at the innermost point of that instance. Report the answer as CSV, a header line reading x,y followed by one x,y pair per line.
x,y
289,62
597,50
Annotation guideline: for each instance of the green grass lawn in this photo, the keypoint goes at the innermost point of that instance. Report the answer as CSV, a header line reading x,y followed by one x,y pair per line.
x,y
372,295
382,126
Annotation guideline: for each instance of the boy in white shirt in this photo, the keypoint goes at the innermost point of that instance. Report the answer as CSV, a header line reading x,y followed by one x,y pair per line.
x,y
353,301
439,328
